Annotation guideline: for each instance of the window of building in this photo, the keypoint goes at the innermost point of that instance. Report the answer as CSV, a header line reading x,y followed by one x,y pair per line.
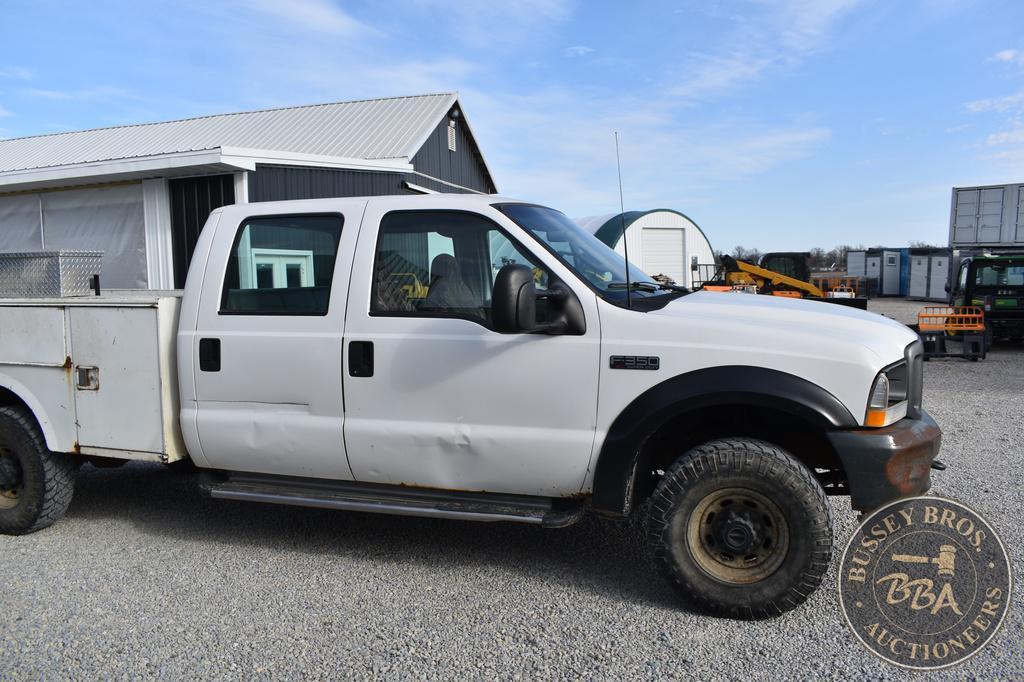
x,y
443,264
282,265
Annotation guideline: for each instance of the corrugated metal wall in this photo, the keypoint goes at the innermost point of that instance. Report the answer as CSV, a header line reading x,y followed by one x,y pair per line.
x,y
192,199
463,167
277,183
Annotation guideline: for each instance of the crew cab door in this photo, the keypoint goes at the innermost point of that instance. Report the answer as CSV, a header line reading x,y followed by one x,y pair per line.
x,y
267,348
433,396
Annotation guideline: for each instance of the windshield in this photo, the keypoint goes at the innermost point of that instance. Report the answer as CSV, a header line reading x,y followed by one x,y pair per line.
x,y
999,275
589,257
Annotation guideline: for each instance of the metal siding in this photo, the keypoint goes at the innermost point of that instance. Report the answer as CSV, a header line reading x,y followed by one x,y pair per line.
x,y
368,129
192,199
279,183
463,167
1019,234
855,264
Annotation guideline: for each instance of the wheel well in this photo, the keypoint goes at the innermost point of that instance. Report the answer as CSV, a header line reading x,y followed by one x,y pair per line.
x,y
805,441
9,398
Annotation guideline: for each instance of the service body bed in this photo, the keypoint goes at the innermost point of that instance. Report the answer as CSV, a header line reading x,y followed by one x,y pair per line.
x,y
99,372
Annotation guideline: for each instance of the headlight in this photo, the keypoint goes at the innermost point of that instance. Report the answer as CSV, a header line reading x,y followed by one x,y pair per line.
x,y
887,402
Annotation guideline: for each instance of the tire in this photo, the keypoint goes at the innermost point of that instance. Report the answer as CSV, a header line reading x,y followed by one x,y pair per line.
x,y
37,484
740,528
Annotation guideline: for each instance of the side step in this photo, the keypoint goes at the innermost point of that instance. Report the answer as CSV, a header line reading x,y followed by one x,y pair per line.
x,y
393,499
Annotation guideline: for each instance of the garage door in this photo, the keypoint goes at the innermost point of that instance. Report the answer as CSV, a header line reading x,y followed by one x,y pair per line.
x,y
663,252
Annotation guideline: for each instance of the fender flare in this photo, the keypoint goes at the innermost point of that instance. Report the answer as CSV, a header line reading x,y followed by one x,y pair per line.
x,y
619,458
22,392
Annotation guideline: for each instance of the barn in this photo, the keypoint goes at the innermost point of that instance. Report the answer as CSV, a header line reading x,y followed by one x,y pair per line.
x,y
661,242
141,193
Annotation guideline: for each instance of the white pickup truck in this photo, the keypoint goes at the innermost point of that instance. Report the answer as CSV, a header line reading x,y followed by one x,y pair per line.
x,y
473,357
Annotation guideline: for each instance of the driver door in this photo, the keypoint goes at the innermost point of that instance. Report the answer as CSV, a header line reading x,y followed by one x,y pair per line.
x,y
446,402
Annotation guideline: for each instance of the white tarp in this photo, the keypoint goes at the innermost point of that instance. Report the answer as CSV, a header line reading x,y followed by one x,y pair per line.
x,y
108,219
19,223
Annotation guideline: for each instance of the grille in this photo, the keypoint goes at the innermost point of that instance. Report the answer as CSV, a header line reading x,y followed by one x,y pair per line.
x,y
914,354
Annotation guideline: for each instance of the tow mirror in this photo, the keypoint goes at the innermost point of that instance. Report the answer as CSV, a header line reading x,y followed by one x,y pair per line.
x,y
514,300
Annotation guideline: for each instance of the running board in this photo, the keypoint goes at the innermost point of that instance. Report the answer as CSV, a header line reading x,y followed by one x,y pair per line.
x,y
388,499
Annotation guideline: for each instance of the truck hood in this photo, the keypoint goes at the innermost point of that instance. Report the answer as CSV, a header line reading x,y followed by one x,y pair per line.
x,y
773,318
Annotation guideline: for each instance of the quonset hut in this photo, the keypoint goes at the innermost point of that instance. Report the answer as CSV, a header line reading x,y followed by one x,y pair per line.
x,y
661,242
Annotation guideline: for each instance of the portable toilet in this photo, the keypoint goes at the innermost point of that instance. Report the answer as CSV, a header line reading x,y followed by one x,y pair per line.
x,y
873,270
938,277
890,278
929,273
919,264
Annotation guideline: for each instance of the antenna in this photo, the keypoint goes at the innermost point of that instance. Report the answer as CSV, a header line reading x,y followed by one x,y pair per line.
x,y
622,217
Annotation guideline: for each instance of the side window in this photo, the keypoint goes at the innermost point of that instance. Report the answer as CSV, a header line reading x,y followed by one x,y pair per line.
x,y
282,265
441,264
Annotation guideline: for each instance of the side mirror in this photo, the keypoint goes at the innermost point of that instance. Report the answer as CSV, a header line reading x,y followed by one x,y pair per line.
x,y
947,287
514,300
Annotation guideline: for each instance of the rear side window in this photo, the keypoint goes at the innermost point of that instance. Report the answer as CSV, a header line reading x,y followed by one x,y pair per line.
x,y
282,265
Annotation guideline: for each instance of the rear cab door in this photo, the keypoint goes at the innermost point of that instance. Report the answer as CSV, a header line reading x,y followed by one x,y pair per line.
x,y
266,349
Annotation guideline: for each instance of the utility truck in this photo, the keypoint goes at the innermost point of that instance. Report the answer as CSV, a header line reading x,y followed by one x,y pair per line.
x,y
534,381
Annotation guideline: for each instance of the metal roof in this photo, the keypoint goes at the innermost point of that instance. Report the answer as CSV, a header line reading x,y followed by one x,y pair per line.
x,y
391,128
608,228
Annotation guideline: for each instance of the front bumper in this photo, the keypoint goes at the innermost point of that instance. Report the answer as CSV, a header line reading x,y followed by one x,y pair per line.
x,y
886,464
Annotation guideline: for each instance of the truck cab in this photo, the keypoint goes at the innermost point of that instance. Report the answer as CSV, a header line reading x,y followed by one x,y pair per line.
x,y
532,379
995,283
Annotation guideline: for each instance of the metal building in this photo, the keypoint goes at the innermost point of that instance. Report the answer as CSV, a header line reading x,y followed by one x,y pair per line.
x,y
141,193
661,242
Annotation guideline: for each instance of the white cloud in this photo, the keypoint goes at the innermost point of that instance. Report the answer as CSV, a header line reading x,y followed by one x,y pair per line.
x,y
86,94
4,112
996,103
578,51
556,146
16,72
782,34
1008,56
507,23
1006,137
319,16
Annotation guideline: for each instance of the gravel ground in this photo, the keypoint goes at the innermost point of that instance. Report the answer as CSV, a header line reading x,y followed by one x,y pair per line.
x,y
145,578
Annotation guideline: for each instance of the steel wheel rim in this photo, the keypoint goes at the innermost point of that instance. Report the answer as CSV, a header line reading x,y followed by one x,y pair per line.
x,y
10,467
737,536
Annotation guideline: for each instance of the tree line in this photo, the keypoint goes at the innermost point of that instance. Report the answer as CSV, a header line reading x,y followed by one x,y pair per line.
x,y
820,259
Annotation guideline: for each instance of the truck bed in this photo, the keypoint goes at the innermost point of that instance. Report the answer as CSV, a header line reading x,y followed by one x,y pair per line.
x,y
101,370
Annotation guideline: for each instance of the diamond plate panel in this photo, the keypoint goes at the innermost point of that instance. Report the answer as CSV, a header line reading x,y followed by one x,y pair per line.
x,y
48,274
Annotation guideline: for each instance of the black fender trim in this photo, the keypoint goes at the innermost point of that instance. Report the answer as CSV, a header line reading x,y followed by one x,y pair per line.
x,y
618,461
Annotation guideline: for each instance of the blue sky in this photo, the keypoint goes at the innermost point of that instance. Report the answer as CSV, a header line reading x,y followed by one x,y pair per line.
x,y
777,125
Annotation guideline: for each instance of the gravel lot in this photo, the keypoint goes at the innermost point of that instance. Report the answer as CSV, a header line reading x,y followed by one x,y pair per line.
x,y
145,578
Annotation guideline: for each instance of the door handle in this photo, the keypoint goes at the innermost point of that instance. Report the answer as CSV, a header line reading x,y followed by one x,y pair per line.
x,y
360,358
209,355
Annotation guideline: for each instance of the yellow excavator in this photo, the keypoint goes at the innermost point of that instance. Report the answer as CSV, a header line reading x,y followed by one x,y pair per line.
x,y
738,275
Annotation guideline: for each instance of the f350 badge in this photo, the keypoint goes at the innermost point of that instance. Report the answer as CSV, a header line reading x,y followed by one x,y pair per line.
x,y
635,362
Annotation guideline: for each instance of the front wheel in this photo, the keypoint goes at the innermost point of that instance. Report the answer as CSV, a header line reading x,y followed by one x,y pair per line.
x,y
740,528
36,485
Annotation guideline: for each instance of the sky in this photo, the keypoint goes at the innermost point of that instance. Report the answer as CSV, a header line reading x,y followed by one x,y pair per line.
x,y
774,125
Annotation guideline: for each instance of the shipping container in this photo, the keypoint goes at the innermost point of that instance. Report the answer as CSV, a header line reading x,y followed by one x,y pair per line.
x,y
987,216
